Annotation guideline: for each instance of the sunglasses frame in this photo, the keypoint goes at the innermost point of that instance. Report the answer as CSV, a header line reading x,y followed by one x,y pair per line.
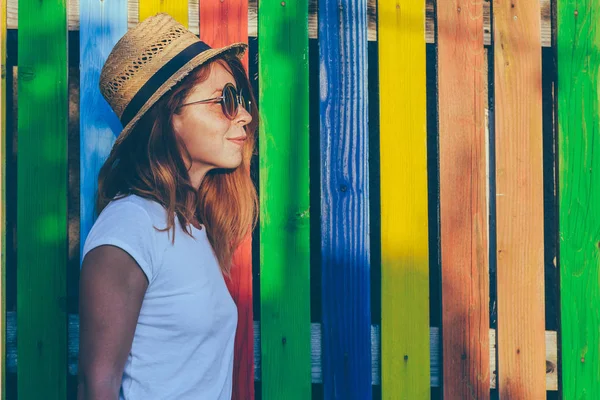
x,y
238,98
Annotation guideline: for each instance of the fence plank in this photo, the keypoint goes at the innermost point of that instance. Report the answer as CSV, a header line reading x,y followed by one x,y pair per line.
x,y
3,73
177,8
284,194
102,25
463,200
404,213
578,44
42,199
345,247
519,199
222,23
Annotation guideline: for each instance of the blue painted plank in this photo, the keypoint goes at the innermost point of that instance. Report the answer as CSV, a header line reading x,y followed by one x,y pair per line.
x,y
102,23
345,248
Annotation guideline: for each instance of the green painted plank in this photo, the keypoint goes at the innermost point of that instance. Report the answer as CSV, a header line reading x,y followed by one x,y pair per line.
x,y
42,200
578,52
284,196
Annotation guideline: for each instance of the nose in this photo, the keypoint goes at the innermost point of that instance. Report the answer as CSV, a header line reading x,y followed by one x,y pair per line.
x,y
243,117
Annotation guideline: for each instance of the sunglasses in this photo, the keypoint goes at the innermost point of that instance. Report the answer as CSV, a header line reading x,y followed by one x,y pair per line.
x,y
230,101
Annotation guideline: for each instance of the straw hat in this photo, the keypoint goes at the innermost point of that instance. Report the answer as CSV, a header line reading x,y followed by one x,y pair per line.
x,y
148,61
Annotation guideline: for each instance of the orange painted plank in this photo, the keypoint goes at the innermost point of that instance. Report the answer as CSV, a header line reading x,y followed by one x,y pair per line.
x,y
222,23
463,200
519,199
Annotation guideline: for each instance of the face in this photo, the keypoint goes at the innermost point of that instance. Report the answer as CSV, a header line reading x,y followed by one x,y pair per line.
x,y
211,139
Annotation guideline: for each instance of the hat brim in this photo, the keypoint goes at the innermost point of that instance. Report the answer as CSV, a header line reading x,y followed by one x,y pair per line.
x,y
236,49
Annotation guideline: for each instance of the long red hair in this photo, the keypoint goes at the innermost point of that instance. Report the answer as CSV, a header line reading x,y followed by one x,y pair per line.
x,y
150,164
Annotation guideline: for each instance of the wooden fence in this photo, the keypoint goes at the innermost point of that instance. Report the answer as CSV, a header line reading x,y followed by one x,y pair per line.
x,y
428,175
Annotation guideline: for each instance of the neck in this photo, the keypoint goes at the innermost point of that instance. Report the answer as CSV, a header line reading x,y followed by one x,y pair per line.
x,y
197,174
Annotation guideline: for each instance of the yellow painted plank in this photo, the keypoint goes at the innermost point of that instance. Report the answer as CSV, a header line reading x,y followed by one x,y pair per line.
x,y
177,8
404,232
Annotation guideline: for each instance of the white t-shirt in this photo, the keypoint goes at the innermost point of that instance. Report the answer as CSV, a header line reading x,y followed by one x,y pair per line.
x,y
184,338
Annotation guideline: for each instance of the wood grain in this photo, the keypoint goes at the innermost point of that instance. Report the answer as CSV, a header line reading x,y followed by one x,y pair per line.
x,y
344,166
405,364
284,200
42,200
222,23
102,25
464,211
519,200
578,45
545,16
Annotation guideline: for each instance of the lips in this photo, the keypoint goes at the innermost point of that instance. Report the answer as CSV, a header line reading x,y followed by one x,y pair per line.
x,y
238,140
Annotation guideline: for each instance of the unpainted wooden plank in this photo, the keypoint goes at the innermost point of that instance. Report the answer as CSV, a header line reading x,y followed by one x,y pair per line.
x,y
578,107
405,364
519,200
344,166
463,199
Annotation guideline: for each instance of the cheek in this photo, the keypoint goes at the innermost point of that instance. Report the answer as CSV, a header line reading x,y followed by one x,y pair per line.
x,y
201,135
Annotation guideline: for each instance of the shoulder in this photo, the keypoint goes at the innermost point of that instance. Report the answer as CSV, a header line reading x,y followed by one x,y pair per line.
x,y
133,206
130,223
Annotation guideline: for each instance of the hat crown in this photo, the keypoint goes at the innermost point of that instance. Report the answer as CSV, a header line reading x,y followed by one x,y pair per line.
x,y
138,55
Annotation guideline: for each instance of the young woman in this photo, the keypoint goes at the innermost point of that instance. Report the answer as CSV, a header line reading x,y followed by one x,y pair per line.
x,y
175,199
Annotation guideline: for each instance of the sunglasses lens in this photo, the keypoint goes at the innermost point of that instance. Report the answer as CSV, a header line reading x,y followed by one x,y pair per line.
x,y
229,101
245,102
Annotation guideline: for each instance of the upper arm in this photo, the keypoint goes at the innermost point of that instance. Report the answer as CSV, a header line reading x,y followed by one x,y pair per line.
x,y
112,287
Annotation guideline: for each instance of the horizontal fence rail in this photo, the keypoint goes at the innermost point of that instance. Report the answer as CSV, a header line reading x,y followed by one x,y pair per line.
x,y
133,9
315,352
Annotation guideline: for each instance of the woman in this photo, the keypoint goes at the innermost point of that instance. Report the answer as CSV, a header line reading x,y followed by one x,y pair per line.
x,y
175,199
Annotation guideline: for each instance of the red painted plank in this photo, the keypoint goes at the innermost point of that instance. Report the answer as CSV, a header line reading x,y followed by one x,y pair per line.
x,y
223,22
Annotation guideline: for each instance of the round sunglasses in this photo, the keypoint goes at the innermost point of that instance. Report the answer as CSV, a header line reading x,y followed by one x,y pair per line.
x,y
230,101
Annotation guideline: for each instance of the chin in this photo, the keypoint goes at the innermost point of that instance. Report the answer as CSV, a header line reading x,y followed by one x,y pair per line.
x,y
231,165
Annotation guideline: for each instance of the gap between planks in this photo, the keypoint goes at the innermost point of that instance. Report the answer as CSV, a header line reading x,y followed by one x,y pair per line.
x,y
73,18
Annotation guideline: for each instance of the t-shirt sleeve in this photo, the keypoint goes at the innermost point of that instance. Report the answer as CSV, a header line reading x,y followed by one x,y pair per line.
x,y
129,227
